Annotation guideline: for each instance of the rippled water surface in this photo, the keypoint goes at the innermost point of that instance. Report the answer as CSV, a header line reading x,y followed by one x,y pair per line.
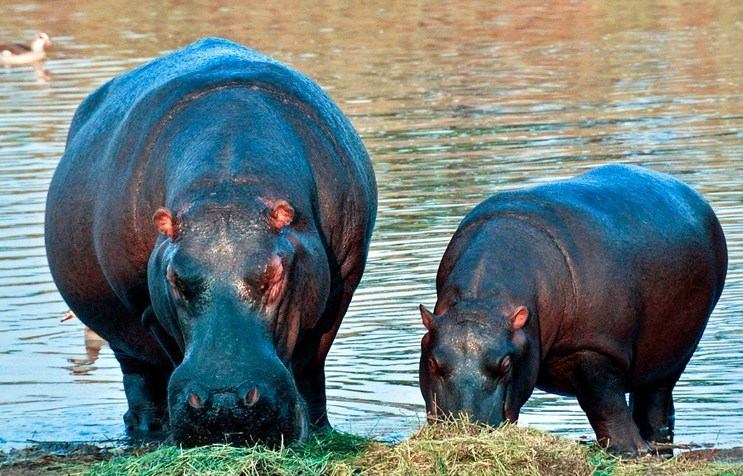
x,y
455,101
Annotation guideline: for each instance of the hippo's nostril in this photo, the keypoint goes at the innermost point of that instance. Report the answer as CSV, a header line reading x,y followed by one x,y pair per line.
x,y
194,400
252,397
197,398
247,395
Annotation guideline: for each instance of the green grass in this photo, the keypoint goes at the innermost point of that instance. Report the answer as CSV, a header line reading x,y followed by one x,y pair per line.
x,y
321,455
453,448
607,465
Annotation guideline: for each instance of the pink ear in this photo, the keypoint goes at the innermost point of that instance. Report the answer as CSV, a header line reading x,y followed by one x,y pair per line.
x,y
519,318
166,222
280,215
427,317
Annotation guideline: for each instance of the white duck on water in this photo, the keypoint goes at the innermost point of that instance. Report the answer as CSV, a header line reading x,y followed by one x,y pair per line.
x,y
22,54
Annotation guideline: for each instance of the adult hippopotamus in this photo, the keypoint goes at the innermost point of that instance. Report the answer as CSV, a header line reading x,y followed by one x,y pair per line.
x,y
594,286
211,218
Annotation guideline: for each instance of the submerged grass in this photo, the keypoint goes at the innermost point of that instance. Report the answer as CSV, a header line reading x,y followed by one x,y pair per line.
x,y
450,448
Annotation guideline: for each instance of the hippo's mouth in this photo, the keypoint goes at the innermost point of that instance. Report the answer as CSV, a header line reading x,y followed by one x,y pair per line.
x,y
510,411
270,427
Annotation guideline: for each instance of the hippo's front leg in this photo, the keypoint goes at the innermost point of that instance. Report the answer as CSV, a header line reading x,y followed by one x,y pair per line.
x,y
311,385
599,385
146,389
309,356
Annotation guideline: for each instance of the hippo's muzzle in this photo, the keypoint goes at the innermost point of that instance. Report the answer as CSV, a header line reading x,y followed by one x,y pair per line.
x,y
232,386
204,410
237,416
468,400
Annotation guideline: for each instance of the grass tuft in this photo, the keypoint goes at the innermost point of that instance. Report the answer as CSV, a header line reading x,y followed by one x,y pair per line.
x,y
461,448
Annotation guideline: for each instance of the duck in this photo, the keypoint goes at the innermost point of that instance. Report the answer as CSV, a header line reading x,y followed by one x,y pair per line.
x,y
22,54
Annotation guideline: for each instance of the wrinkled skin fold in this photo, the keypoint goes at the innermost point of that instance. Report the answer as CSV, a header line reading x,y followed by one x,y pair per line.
x,y
211,218
596,286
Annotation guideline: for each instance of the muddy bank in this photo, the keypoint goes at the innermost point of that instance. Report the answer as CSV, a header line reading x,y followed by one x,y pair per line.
x,y
62,458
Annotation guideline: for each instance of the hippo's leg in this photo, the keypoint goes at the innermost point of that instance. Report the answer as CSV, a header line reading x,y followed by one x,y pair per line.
x,y
309,356
311,385
652,410
600,391
146,389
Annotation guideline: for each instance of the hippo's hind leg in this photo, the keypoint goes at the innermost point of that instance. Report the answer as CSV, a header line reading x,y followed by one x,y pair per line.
x,y
599,385
653,411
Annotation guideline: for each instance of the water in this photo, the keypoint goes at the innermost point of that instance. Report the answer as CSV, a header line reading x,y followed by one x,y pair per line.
x,y
454,102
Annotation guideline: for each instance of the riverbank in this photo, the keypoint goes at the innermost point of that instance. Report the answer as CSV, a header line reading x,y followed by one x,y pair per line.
x,y
445,449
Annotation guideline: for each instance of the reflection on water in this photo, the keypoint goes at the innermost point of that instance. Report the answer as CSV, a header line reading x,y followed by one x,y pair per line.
x,y
455,101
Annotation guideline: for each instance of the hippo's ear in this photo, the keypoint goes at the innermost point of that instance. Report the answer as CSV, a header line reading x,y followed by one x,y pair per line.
x,y
519,318
281,214
427,317
166,223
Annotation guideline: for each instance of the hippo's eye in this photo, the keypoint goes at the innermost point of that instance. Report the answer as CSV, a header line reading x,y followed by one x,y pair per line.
x,y
183,288
177,284
505,365
497,367
436,367
256,285
252,287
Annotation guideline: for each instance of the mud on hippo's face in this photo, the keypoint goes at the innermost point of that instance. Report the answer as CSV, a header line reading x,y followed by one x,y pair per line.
x,y
472,363
220,282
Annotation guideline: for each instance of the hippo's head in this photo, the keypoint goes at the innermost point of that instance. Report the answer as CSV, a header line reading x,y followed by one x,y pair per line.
x,y
230,280
477,360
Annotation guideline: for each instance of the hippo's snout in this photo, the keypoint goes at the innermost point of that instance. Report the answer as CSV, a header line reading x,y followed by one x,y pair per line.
x,y
242,414
200,399
489,412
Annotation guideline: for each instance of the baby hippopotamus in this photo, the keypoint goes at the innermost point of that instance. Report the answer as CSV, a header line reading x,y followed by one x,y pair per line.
x,y
596,286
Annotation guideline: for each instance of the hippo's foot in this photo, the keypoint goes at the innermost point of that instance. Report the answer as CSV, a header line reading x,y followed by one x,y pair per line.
x,y
146,392
311,386
625,445
653,411
144,420
319,419
147,409
600,393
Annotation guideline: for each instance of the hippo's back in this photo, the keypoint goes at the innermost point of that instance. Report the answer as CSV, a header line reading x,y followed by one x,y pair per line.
x,y
647,258
114,130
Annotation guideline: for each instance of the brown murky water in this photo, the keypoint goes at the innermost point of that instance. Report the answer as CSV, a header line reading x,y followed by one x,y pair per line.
x,y
455,101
